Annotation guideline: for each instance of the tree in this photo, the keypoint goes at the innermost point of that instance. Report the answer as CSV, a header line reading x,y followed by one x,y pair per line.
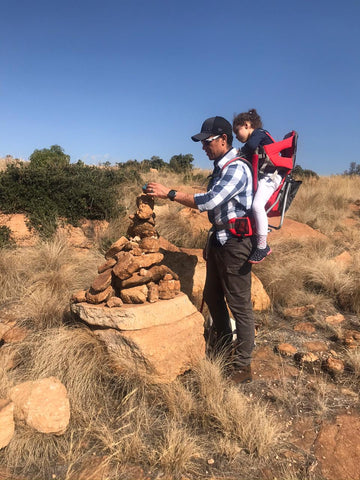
x,y
53,156
353,170
304,173
181,163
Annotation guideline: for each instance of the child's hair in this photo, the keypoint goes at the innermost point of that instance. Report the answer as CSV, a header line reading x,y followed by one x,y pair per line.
x,y
250,116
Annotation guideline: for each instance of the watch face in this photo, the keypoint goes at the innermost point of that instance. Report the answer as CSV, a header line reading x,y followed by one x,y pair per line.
x,y
172,195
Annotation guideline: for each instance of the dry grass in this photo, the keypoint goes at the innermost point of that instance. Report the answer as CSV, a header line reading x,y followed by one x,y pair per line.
x,y
174,429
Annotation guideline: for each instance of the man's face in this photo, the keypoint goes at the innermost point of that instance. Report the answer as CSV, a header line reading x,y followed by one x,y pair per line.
x,y
215,146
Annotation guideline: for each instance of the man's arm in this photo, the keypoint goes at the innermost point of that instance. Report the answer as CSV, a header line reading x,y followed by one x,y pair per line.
x,y
160,191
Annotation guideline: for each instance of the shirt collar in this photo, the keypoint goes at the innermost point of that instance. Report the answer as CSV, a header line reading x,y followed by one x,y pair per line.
x,y
232,153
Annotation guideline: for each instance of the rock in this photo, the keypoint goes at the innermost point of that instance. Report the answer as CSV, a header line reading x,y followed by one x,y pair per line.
x,y
149,245
135,294
316,346
308,357
116,247
335,319
352,339
135,317
295,230
18,224
111,262
169,349
135,280
344,260
305,327
260,299
102,281
286,349
15,334
142,229
5,327
334,365
337,448
153,292
296,312
78,297
42,404
114,302
144,212
124,267
168,289
7,424
145,199
93,297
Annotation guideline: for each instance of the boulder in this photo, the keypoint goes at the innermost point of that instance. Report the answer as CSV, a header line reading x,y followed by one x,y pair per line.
x,y
295,230
43,404
135,317
169,350
7,424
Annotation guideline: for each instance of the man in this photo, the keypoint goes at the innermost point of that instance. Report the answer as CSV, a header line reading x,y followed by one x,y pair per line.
x,y
229,195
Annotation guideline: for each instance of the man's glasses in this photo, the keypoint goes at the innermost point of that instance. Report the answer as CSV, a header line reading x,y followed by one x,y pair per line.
x,y
209,140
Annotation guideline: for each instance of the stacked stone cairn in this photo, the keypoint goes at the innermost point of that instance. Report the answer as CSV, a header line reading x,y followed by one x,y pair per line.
x,y
132,272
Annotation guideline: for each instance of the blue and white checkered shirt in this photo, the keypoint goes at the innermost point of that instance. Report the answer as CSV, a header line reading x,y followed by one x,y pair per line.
x,y
229,194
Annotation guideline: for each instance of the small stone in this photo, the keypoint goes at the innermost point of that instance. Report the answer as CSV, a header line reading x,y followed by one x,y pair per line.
x,y
305,327
15,334
150,245
102,281
307,357
108,264
7,424
315,346
78,297
114,302
334,365
116,247
134,295
93,297
153,292
211,461
286,349
335,319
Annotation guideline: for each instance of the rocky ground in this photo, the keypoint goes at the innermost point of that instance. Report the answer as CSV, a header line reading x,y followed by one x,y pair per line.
x,y
301,370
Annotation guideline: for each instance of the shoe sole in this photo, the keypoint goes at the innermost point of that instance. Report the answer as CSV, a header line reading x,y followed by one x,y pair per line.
x,y
258,261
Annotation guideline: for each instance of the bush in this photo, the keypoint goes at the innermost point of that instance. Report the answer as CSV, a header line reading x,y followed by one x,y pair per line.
x,y
5,237
45,190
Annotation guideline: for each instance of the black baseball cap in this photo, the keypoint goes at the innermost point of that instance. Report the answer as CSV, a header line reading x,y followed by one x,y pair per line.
x,y
213,126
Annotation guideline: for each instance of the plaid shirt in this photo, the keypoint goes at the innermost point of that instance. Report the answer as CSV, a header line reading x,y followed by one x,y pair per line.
x,y
229,194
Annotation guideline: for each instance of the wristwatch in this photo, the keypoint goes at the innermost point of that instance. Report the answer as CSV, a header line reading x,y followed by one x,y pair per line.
x,y
172,195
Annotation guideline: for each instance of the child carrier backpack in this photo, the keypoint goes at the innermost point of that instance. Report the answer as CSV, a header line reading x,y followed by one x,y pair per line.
x,y
281,155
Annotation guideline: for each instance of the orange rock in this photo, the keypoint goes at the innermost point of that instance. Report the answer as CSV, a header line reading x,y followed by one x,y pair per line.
x,y
114,302
7,424
116,247
305,327
102,281
93,297
298,311
135,294
79,296
315,346
296,230
153,292
15,334
335,319
108,264
149,245
286,349
42,404
334,365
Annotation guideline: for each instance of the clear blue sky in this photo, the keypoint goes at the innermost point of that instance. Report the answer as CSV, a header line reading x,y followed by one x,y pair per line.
x,y
119,80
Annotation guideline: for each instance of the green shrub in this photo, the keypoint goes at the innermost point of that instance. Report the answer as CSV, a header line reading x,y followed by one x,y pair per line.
x,y
46,190
5,237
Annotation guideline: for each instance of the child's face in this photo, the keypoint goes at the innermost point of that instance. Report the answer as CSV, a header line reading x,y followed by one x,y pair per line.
x,y
243,132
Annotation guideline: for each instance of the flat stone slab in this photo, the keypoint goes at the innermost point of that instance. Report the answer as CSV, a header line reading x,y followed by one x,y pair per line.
x,y
135,317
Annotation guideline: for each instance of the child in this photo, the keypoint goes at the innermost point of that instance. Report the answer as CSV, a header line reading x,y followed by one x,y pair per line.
x,y
248,129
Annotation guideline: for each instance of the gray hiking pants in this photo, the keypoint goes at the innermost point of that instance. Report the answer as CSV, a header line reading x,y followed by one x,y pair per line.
x,y
229,276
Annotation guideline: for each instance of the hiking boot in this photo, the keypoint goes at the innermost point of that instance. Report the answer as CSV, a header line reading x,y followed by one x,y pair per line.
x,y
242,375
259,254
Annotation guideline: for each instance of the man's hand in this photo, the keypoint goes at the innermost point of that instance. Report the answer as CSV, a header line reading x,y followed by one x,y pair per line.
x,y
156,190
